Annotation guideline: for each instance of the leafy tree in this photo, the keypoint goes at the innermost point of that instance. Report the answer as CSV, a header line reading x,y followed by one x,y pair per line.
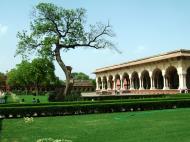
x,y
2,79
55,29
40,72
80,76
21,75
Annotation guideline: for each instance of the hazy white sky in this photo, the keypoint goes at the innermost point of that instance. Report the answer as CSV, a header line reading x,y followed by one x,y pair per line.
x,y
142,27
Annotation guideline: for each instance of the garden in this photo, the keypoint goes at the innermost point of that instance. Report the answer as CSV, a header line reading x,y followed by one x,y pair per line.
x,y
170,125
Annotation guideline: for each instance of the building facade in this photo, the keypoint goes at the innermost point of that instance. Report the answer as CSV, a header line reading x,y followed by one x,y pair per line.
x,y
163,73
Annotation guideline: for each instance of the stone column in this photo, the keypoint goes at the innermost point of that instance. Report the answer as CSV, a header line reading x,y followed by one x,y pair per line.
x,y
97,85
114,88
108,84
165,79
182,78
131,82
182,81
102,83
152,87
140,82
153,83
121,82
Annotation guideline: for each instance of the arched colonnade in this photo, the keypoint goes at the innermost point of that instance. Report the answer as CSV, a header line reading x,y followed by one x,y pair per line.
x,y
169,78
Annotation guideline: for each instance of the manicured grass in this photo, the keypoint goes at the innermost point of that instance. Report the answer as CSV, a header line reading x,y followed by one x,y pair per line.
x,y
27,99
146,126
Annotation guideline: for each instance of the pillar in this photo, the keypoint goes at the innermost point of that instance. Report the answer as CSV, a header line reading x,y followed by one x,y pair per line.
x,y
165,79
114,88
182,78
131,82
182,82
152,86
140,82
108,84
102,83
97,85
121,82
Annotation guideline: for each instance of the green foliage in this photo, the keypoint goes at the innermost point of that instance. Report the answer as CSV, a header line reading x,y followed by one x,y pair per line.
x,y
12,98
21,75
38,72
54,29
52,25
71,108
42,71
2,79
80,76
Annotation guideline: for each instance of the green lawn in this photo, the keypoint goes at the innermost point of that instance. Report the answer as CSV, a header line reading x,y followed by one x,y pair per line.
x,y
27,99
146,126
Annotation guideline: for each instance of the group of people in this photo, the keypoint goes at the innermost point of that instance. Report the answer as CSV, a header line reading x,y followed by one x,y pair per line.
x,y
34,100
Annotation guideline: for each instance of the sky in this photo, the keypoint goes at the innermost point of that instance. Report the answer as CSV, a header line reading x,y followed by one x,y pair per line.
x,y
142,27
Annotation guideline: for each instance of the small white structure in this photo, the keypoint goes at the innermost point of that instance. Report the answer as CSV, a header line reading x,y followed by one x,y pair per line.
x,y
163,73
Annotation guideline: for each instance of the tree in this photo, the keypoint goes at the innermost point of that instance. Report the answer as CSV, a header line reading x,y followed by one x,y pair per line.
x,y
80,76
40,72
2,79
55,29
20,76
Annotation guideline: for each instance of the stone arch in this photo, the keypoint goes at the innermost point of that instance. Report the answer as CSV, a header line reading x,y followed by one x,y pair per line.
x,y
135,80
145,79
126,81
99,83
172,77
117,81
188,78
105,84
158,81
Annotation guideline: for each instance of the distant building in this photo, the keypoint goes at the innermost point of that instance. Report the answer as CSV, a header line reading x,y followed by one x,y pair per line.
x,y
83,86
163,73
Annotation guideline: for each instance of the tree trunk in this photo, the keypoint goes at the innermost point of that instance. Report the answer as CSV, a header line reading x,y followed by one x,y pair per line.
x,y
65,70
37,89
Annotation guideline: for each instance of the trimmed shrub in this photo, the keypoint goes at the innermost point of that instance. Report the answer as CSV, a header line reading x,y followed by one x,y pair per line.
x,y
74,96
51,96
88,108
120,97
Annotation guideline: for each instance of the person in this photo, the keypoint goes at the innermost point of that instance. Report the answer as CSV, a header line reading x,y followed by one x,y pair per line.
x,y
34,100
22,100
38,100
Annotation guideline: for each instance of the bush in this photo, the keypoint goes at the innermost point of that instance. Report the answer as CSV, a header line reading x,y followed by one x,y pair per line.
x,y
51,96
120,97
73,96
91,107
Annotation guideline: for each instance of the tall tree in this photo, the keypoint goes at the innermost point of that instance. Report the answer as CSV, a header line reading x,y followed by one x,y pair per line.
x,y
2,79
55,29
42,72
20,76
39,72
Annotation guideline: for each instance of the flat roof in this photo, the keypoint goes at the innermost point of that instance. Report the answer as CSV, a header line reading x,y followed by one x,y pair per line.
x,y
159,57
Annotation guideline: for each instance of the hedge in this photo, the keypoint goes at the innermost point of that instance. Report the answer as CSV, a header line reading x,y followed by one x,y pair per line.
x,y
91,102
104,107
115,97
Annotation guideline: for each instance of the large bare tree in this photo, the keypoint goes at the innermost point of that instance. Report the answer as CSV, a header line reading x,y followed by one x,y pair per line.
x,y
54,29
